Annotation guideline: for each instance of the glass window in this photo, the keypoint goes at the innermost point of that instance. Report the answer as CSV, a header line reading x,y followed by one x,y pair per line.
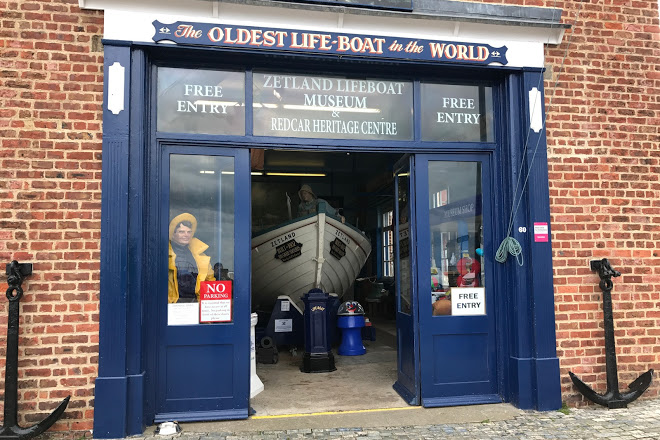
x,y
405,268
388,244
457,270
455,113
201,239
332,107
201,101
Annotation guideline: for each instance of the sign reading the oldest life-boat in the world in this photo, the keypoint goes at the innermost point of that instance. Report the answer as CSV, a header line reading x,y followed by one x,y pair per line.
x,y
333,43
332,107
201,101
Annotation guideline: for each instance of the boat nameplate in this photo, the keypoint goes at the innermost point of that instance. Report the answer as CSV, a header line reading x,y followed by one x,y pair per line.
x,y
288,251
343,237
337,248
283,238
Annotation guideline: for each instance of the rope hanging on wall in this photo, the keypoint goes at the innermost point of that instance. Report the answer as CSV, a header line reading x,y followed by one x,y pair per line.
x,y
510,245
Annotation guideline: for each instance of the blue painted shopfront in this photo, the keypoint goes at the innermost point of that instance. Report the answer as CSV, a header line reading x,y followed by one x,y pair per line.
x,y
151,372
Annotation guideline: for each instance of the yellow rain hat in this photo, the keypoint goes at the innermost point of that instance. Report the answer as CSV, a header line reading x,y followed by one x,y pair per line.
x,y
182,218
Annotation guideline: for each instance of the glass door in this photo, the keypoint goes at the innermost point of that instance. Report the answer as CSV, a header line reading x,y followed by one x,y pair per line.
x,y
407,384
455,294
204,288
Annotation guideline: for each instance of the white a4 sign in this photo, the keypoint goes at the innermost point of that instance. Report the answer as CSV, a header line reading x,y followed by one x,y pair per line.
x,y
468,301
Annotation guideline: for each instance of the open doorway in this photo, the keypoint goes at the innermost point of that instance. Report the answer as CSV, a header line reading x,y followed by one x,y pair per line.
x,y
357,190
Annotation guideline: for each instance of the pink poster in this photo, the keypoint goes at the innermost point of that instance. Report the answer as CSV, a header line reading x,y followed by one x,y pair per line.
x,y
541,232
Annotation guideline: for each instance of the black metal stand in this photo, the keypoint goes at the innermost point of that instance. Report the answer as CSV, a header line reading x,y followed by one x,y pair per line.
x,y
16,273
612,397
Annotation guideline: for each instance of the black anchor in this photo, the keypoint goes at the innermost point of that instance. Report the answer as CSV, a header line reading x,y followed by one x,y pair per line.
x,y
16,273
612,397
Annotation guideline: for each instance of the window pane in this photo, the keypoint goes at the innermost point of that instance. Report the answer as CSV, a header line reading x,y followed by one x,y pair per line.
x,y
201,101
457,271
332,107
388,244
405,268
201,234
454,113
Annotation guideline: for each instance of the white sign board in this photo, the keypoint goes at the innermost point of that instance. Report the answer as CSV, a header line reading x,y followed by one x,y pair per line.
x,y
183,314
468,301
283,325
215,311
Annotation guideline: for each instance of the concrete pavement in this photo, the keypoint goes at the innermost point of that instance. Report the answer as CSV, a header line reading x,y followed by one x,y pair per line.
x,y
641,420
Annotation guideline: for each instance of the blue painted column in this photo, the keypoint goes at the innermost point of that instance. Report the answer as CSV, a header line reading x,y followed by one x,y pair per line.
x,y
135,369
110,402
547,384
518,366
532,365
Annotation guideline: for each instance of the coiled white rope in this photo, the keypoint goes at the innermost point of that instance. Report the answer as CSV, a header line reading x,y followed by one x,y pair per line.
x,y
509,246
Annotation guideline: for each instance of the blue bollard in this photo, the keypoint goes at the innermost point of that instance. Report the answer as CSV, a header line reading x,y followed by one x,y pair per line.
x,y
318,357
351,320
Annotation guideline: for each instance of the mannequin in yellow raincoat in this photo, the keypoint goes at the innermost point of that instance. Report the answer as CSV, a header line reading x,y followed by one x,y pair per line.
x,y
187,264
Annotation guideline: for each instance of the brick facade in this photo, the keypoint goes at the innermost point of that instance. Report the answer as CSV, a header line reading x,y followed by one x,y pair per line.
x,y
603,145
51,93
603,131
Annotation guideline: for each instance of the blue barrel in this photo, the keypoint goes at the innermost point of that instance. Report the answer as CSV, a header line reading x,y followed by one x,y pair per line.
x,y
351,320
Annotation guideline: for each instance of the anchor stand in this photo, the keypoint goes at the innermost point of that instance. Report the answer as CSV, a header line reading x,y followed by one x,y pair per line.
x,y
16,273
612,397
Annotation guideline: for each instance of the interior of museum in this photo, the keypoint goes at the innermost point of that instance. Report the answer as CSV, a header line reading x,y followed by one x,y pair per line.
x,y
360,187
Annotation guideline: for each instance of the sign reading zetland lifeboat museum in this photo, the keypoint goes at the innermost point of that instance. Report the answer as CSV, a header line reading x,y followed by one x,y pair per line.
x,y
332,107
334,43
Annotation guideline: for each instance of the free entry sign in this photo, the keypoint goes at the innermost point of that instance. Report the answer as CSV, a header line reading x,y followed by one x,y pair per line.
x,y
334,43
468,301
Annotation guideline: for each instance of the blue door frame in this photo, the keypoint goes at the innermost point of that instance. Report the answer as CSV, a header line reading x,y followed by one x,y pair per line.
x,y
528,369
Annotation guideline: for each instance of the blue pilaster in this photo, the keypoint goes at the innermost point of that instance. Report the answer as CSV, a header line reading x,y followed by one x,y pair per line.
x,y
519,363
135,369
533,366
111,393
547,390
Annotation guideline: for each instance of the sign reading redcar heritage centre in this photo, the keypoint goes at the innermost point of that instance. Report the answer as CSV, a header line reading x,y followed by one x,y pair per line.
x,y
338,44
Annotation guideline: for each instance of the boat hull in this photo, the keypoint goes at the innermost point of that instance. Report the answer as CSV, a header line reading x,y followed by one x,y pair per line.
x,y
317,251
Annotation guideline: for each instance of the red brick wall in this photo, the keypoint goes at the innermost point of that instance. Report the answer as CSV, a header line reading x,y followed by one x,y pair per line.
x,y
603,132
51,93
603,147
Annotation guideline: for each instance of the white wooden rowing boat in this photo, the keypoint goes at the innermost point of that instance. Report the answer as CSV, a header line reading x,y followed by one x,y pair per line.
x,y
314,251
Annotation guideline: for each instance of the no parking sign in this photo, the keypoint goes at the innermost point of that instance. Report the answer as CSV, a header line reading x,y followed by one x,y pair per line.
x,y
215,301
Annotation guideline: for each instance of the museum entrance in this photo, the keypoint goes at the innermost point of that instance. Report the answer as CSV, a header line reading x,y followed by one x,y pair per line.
x,y
356,192
398,222
385,214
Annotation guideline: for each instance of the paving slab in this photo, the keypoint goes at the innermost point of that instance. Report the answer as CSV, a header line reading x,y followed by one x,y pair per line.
x,y
641,420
